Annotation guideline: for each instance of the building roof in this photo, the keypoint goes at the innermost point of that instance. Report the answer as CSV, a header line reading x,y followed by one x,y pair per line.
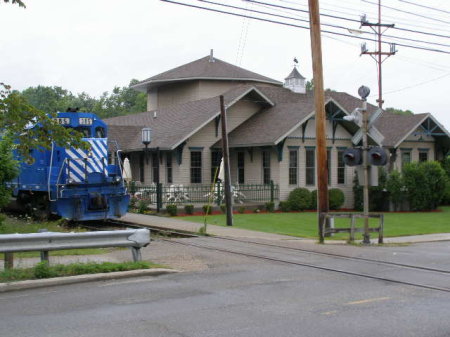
x,y
203,69
295,74
173,124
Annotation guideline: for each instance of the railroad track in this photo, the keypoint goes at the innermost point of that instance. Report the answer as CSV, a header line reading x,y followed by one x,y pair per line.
x,y
439,273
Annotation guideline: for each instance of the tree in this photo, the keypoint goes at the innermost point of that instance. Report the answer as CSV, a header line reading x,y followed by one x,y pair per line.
x,y
399,111
24,127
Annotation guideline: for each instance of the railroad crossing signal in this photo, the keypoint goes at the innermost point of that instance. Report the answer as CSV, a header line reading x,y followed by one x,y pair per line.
x,y
352,157
376,156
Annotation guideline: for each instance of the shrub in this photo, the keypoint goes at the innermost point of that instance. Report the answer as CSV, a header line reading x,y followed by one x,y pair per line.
x,y
223,208
425,184
241,209
189,209
313,199
172,209
206,209
142,206
336,198
42,270
284,206
133,202
395,187
299,199
270,206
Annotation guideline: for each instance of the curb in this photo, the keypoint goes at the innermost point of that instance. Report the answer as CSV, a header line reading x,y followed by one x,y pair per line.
x,y
57,281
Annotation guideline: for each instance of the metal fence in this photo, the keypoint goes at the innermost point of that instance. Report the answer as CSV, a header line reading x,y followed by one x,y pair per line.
x,y
198,193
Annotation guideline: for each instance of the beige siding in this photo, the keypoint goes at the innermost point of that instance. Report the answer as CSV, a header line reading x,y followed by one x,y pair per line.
x,y
177,93
342,140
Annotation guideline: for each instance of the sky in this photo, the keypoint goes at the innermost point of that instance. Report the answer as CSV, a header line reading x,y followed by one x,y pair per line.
x,y
93,46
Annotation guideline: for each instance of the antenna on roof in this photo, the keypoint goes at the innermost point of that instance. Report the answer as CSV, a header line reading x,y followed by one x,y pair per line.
x,y
211,56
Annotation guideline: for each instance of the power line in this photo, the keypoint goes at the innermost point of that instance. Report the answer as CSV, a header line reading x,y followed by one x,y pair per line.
x,y
323,24
411,13
427,7
417,84
298,26
344,18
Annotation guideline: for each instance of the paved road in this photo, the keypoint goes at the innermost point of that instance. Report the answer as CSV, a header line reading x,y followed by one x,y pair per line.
x,y
222,294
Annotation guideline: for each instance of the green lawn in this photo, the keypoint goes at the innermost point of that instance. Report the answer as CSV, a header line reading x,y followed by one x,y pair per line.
x,y
304,224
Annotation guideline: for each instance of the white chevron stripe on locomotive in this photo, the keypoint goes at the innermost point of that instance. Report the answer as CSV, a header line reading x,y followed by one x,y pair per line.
x,y
81,162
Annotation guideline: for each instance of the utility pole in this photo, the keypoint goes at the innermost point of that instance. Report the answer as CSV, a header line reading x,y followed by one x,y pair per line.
x,y
377,55
365,125
226,164
319,104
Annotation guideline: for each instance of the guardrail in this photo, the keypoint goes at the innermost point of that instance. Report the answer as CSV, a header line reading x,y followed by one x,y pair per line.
x,y
48,241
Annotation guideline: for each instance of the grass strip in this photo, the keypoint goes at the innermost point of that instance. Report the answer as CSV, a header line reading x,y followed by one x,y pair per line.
x,y
44,270
304,224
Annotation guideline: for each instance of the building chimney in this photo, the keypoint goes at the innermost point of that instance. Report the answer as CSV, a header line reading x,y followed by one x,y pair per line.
x,y
211,56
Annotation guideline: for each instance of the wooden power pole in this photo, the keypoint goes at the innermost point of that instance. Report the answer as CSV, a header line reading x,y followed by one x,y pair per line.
x,y
226,164
319,104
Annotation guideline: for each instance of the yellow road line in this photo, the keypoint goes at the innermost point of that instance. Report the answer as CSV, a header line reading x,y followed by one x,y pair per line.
x,y
369,300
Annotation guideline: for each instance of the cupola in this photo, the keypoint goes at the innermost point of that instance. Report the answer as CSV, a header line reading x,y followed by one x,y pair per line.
x,y
295,82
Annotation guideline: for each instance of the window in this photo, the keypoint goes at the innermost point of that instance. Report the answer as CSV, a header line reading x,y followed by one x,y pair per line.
x,y
141,168
293,167
84,130
196,167
266,167
100,132
241,167
423,155
155,167
406,157
169,168
340,168
216,157
310,166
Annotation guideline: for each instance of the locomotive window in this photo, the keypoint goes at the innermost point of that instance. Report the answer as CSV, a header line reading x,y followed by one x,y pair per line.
x,y
85,131
100,132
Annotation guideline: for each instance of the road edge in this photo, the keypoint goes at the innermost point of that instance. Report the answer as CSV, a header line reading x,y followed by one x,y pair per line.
x,y
57,281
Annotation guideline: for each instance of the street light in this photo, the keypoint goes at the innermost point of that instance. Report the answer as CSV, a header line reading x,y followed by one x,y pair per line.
x,y
146,140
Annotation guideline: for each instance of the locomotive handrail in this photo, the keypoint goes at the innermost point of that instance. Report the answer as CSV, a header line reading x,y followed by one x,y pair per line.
x,y
50,174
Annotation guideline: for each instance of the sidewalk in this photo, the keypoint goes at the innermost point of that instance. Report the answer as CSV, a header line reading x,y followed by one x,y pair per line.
x,y
172,223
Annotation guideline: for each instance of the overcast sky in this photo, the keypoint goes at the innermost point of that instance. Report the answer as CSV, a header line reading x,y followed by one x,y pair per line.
x,y
94,45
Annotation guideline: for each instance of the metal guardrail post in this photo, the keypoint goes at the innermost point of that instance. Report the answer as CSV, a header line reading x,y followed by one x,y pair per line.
x,y
9,260
136,252
44,253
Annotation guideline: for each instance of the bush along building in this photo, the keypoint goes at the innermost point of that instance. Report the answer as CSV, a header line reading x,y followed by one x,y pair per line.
x,y
271,130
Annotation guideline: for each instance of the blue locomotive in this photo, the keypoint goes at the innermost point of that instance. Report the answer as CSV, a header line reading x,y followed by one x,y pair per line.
x,y
70,182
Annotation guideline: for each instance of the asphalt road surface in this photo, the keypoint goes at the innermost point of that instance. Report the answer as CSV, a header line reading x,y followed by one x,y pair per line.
x,y
273,293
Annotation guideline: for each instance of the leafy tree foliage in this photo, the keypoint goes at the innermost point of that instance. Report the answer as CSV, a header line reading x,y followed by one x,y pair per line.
x,y
121,100
399,111
425,184
8,170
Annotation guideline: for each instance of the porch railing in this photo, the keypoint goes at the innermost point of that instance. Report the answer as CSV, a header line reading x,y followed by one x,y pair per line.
x,y
190,194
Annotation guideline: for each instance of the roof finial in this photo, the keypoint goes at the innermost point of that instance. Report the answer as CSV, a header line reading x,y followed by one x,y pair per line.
x,y
211,56
295,62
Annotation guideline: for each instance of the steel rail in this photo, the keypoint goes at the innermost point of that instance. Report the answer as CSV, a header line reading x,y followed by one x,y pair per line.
x,y
341,271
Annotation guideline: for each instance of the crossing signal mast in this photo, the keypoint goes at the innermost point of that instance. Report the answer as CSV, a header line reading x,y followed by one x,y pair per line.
x,y
379,29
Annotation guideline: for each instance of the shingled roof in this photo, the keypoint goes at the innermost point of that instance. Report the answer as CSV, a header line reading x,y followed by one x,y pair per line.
x,y
203,69
173,124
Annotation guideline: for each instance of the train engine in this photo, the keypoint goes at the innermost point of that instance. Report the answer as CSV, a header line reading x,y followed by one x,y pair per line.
x,y
72,183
